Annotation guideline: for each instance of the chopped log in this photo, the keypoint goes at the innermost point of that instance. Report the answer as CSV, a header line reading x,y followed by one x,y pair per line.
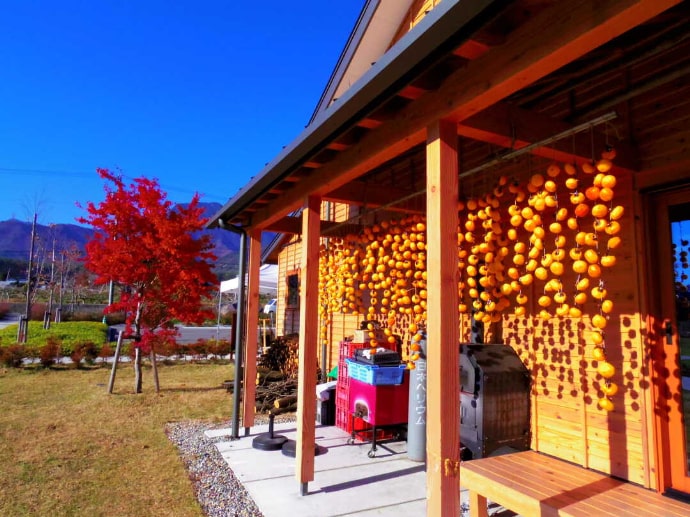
x,y
268,377
288,409
267,394
285,401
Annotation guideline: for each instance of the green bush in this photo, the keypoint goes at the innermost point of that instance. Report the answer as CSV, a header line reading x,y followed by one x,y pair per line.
x,y
68,333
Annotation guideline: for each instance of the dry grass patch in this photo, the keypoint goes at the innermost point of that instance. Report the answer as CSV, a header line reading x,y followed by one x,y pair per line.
x,y
69,448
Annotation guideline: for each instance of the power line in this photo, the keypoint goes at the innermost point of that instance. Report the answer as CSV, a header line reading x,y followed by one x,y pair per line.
x,y
79,174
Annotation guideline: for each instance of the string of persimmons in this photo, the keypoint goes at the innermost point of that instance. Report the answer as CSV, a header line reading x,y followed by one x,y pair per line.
x,y
549,240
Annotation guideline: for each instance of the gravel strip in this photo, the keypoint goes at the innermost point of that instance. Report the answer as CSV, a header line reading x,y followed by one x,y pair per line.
x,y
217,489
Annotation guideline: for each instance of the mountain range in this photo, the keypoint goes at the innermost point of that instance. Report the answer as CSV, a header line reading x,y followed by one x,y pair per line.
x,y
15,240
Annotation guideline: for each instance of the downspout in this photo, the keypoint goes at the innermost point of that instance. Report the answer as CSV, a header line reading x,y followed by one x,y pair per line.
x,y
239,355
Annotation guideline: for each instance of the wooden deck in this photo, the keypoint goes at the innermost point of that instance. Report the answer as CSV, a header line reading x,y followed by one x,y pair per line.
x,y
532,484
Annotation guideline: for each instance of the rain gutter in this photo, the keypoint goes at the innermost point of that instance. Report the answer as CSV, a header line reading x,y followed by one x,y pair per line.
x,y
239,324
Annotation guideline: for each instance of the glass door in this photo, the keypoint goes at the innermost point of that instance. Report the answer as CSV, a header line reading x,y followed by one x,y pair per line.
x,y
670,267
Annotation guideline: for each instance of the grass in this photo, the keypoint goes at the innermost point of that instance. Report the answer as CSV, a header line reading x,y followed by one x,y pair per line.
x,y
69,448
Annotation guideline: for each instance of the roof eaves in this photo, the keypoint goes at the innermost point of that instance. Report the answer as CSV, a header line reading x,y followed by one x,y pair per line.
x,y
442,29
346,55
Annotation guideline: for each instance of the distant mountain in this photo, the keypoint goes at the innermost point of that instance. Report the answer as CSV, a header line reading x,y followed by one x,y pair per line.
x,y
15,239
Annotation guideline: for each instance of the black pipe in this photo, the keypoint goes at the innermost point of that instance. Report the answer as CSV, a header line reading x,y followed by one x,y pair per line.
x,y
239,324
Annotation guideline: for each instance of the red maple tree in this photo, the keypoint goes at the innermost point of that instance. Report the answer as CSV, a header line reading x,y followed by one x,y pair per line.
x,y
155,251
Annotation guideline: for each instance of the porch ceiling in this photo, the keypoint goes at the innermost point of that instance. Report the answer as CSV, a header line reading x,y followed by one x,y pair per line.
x,y
515,79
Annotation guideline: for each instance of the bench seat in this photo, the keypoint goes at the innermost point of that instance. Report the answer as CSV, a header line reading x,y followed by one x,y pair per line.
x,y
534,485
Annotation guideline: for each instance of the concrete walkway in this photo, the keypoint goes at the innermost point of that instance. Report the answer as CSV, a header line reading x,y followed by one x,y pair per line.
x,y
346,483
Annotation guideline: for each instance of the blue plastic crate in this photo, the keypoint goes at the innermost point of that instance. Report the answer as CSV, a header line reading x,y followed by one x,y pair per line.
x,y
373,374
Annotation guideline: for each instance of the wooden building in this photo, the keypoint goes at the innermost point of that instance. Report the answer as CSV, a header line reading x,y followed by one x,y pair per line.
x,y
539,151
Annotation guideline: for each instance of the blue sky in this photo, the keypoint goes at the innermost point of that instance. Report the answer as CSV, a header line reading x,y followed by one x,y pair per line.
x,y
200,95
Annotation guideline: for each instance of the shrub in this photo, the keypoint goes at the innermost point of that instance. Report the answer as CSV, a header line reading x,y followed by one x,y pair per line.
x,y
219,348
199,348
86,350
77,355
166,345
38,311
49,352
12,356
106,351
4,309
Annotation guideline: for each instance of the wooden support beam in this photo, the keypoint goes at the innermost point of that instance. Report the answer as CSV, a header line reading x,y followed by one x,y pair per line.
x,y
471,49
288,224
443,402
348,139
412,92
293,224
550,39
369,194
308,340
254,265
369,123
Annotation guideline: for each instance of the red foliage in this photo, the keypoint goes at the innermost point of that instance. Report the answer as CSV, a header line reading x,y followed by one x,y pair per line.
x,y
155,250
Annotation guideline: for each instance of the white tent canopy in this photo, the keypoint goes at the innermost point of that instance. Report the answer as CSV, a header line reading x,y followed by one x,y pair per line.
x,y
268,281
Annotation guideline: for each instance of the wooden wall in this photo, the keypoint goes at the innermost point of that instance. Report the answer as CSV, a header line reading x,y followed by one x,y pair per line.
x,y
566,421
418,10
287,317
648,85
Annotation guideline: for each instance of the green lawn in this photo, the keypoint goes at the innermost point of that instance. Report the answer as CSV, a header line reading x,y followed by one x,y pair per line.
x,y
69,448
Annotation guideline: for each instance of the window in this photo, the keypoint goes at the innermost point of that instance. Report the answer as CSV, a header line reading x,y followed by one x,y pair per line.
x,y
293,290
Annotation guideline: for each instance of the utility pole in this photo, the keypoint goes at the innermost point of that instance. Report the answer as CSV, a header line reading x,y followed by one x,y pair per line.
x,y
58,311
24,326
49,312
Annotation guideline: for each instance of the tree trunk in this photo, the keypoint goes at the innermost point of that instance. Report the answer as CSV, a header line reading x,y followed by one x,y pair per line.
x,y
137,350
137,370
154,369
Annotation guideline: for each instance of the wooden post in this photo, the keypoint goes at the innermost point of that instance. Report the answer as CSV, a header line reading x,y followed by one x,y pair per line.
x,y
249,398
443,400
116,358
308,341
154,368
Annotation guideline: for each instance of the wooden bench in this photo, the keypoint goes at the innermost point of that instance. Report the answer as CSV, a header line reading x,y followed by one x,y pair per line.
x,y
534,485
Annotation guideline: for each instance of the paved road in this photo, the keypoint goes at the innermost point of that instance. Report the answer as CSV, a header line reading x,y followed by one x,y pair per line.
x,y
192,334
187,334
10,319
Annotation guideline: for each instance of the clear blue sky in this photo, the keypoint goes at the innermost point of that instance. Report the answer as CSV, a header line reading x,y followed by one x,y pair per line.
x,y
199,95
